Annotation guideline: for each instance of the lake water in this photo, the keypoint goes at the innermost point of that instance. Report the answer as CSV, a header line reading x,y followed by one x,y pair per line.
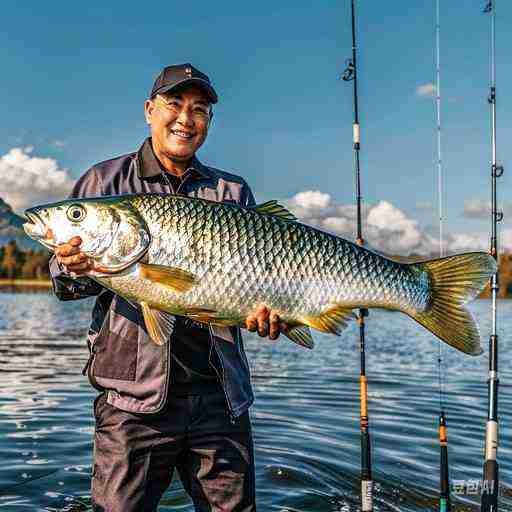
x,y
306,415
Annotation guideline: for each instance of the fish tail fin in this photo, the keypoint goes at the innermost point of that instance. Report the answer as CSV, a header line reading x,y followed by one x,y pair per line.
x,y
454,281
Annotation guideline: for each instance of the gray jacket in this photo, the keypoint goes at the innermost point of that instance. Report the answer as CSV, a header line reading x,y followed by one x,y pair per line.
x,y
123,360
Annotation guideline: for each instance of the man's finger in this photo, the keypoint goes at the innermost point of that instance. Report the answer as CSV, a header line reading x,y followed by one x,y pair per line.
x,y
76,241
274,326
251,323
67,250
86,265
74,259
262,316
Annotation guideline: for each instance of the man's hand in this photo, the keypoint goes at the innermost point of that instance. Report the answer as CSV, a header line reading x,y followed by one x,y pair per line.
x,y
266,322
72,260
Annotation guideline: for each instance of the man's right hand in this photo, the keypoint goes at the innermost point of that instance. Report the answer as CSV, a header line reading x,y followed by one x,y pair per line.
x,y
73,261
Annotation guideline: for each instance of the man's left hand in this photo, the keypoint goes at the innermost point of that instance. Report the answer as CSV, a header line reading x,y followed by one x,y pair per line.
x,y
266,322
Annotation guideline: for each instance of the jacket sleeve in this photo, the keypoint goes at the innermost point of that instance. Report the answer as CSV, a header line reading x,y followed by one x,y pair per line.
x,y
66,288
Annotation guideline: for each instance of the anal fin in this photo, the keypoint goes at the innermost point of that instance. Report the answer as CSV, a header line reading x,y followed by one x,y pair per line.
x,y
301,335
159,324
333,321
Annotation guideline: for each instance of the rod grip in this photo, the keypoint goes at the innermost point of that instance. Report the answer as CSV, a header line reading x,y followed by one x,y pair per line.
x,y
491,440
490,487
363,398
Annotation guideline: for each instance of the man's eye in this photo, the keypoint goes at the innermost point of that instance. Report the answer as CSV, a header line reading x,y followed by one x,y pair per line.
x,y
201,110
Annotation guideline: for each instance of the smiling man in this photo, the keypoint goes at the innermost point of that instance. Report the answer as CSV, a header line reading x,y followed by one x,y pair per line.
x,y
183,405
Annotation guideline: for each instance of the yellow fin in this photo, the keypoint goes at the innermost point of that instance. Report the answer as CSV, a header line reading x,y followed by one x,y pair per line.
x,y
159,324
177,279
274,208
301,335
208,316
334,320
455,280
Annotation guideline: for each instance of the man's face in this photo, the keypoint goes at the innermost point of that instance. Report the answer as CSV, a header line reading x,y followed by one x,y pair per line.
x,y
179,122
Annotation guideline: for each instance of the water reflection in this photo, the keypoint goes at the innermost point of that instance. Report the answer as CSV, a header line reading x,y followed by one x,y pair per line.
x,y
305,417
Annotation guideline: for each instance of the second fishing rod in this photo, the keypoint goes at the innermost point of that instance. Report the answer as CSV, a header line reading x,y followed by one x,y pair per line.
x,y
350,75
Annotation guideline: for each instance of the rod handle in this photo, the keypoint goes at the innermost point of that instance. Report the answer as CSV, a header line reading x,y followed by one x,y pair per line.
x,y
490,487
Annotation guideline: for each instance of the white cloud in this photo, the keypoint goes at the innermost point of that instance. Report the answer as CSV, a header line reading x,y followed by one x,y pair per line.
x,y
313,199
386,227
27,180
480,209
426,90
59,144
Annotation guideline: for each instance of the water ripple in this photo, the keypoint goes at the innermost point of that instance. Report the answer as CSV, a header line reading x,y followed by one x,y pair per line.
x,y
306,416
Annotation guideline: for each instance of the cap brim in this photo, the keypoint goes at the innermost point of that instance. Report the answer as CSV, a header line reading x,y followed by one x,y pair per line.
x,y
198,82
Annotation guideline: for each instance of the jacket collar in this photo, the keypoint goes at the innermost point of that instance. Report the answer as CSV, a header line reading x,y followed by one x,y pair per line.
x,y
148,165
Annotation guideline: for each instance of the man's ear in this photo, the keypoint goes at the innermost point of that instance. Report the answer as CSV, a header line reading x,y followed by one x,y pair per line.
x,y
148,110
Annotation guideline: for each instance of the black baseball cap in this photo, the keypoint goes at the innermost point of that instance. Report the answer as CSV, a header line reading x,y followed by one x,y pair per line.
x,y
177,75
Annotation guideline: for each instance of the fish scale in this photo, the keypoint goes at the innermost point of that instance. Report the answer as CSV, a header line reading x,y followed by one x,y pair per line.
x,y
216,262
274,251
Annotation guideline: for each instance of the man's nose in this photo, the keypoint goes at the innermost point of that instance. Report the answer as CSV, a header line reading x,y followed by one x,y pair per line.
x,y
185,118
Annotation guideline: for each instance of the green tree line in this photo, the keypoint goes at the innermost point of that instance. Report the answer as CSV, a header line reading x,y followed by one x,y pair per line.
x,y
17,263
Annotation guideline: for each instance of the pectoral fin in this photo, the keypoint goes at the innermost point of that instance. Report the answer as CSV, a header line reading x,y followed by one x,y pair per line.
x,y
334,320
159,324
177,279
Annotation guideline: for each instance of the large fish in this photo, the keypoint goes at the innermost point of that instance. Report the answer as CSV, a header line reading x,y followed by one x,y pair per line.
x,y
214,262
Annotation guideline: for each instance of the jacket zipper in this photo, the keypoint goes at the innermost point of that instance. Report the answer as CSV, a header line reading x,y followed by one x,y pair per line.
x,y
222,378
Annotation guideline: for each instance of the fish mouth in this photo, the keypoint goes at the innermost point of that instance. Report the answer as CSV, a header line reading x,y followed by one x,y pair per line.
x,y
36,229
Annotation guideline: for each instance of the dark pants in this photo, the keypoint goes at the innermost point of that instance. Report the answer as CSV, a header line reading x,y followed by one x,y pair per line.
x,y
135,456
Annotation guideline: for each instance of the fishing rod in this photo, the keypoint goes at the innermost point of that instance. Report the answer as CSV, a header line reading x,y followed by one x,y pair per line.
x,y
490,483
350,75
444,473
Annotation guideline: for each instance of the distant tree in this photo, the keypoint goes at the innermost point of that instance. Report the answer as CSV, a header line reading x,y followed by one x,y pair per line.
x,y
12,260
36,265
28,268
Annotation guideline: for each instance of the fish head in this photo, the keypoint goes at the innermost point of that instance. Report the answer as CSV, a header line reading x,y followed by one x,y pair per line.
x,y
114,235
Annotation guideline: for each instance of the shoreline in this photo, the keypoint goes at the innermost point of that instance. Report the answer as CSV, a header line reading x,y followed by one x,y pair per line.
x,y
26,283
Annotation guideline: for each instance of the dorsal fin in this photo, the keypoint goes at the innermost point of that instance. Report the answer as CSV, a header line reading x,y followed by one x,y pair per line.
x,y
274,208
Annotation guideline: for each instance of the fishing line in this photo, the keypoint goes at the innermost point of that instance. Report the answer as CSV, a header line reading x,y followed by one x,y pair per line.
x,y
444,474
490,482
350,75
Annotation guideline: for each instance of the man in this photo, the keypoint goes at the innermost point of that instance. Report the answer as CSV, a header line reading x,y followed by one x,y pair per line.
x,y
183,405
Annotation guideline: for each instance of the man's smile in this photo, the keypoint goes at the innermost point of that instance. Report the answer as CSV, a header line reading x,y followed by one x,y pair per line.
x,y
183,135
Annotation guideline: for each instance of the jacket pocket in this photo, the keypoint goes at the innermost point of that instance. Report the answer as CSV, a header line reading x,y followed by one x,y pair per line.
x,y
115,349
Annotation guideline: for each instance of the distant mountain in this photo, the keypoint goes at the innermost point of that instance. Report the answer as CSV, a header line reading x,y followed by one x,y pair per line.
x,y
11,228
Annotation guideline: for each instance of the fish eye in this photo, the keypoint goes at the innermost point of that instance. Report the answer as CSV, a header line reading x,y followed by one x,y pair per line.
x,y
76,213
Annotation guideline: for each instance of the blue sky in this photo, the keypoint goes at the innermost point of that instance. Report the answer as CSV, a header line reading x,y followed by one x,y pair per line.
x,y
75,77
